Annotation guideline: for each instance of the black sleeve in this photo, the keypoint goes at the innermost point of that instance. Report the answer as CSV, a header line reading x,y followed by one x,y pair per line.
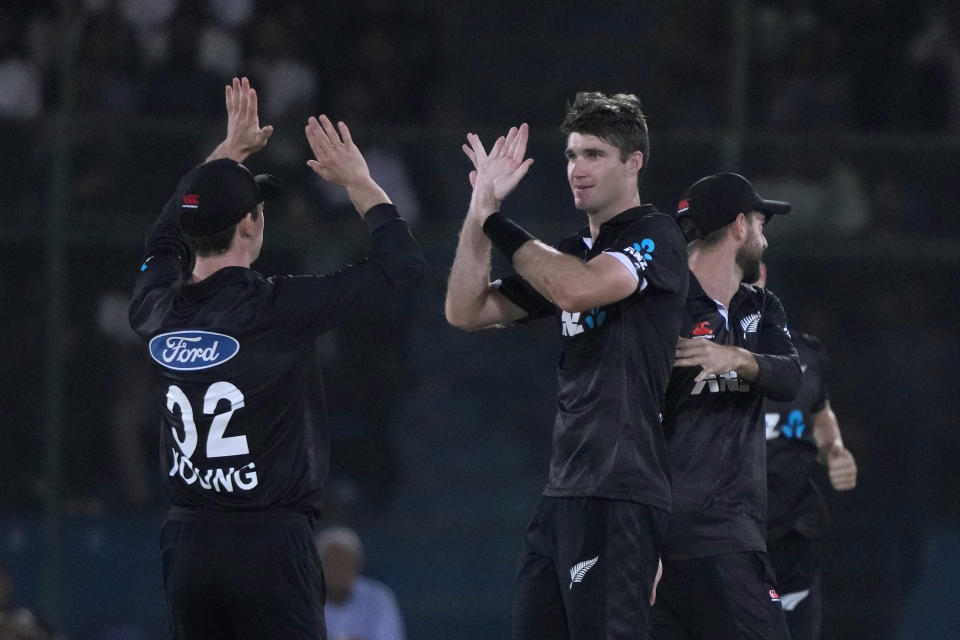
x,y
521,293
166,237
166,257
779,377
311,304
654,249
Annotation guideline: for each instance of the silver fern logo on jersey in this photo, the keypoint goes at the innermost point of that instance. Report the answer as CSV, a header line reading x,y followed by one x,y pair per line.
x,y
750,323
192,350
579,570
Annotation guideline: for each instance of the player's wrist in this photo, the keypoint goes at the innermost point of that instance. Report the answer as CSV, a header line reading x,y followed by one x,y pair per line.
x,y
505,234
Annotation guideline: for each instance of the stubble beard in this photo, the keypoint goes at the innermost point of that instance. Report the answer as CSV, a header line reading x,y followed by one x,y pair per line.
x,y
748,259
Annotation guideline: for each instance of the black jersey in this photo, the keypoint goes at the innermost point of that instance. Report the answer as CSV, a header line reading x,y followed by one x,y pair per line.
x,y
715,428
794,503
615,362
243,416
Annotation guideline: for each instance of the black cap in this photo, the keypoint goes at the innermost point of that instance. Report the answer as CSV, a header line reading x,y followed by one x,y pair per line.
x,y
217,195
716,200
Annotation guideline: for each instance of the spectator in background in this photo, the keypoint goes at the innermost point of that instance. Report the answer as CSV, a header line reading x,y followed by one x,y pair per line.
x,y
21,85
18,623
290,81
357,607
934,54
175,84
107,67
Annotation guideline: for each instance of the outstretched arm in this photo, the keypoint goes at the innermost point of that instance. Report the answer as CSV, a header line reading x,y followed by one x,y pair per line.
x,y
841,466
570,283
245,136
338,160
471,301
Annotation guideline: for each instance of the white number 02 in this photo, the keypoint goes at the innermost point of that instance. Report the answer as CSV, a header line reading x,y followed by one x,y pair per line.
x,y
218,446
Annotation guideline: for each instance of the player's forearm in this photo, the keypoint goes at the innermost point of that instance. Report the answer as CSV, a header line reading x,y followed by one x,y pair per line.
x,y
747,366
563,279
394,247
826,430
166,236
778,376
365,194
469,282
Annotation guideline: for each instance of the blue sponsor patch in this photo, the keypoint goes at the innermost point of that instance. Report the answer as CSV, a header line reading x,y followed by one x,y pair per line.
x,y
192,350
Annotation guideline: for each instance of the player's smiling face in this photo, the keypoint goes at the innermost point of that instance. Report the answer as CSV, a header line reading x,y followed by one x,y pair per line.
x,y
601,182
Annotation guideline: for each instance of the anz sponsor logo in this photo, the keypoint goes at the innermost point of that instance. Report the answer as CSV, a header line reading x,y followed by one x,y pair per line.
x,y
792,428
573,323
641,252
192,350
724,382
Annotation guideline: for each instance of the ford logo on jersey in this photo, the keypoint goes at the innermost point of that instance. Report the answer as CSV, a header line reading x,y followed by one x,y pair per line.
x,y
192,350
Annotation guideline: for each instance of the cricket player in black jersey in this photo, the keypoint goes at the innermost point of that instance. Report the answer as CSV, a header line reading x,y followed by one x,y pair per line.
x,y
616,290
243,437
734,349
798,433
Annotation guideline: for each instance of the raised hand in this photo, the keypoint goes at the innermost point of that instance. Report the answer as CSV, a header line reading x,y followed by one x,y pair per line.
x,y
245,136
497,173
338,160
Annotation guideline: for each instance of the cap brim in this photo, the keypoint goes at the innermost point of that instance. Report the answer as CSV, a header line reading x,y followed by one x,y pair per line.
x,y
774,207
268,186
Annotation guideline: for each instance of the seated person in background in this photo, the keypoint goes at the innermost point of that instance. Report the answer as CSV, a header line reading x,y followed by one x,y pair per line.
x,y
357,607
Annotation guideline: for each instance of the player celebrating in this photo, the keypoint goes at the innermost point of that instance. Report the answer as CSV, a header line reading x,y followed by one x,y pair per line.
x,y
734,349
797,516
616,289
243,425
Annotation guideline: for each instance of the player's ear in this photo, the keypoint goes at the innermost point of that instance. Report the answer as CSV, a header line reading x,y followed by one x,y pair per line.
x,y
245,228
739,226
635,161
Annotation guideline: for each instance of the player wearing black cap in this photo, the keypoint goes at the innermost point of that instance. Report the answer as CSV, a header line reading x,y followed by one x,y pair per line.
x,y
616,290
734,349
798,433
243,437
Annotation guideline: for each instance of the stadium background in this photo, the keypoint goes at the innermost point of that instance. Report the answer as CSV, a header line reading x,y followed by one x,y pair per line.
x,y
440,439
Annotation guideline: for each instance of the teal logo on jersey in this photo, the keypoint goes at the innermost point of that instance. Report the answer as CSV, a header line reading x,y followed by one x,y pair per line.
x,y
646,247
794,426
595,318
192,350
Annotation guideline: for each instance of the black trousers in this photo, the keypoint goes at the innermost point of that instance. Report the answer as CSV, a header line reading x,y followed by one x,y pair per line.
x,y
586,569
239,576
725,597
796,559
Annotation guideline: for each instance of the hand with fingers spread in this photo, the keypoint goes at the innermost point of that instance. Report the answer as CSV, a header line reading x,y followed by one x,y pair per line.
x,y
338,160
714,359
497,173
245,136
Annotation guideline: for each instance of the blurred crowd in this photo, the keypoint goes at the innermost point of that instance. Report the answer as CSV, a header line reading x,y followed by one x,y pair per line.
x,y
145,86
851,111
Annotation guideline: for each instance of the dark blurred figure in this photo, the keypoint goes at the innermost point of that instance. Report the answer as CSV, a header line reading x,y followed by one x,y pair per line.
x,y
178,86
934,56
18,623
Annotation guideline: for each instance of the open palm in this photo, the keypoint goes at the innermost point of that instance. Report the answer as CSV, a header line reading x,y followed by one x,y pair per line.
x,y
500,170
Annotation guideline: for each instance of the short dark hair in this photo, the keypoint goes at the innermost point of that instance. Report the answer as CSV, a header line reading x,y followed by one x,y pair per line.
x,y
708,241
616,119
215,243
